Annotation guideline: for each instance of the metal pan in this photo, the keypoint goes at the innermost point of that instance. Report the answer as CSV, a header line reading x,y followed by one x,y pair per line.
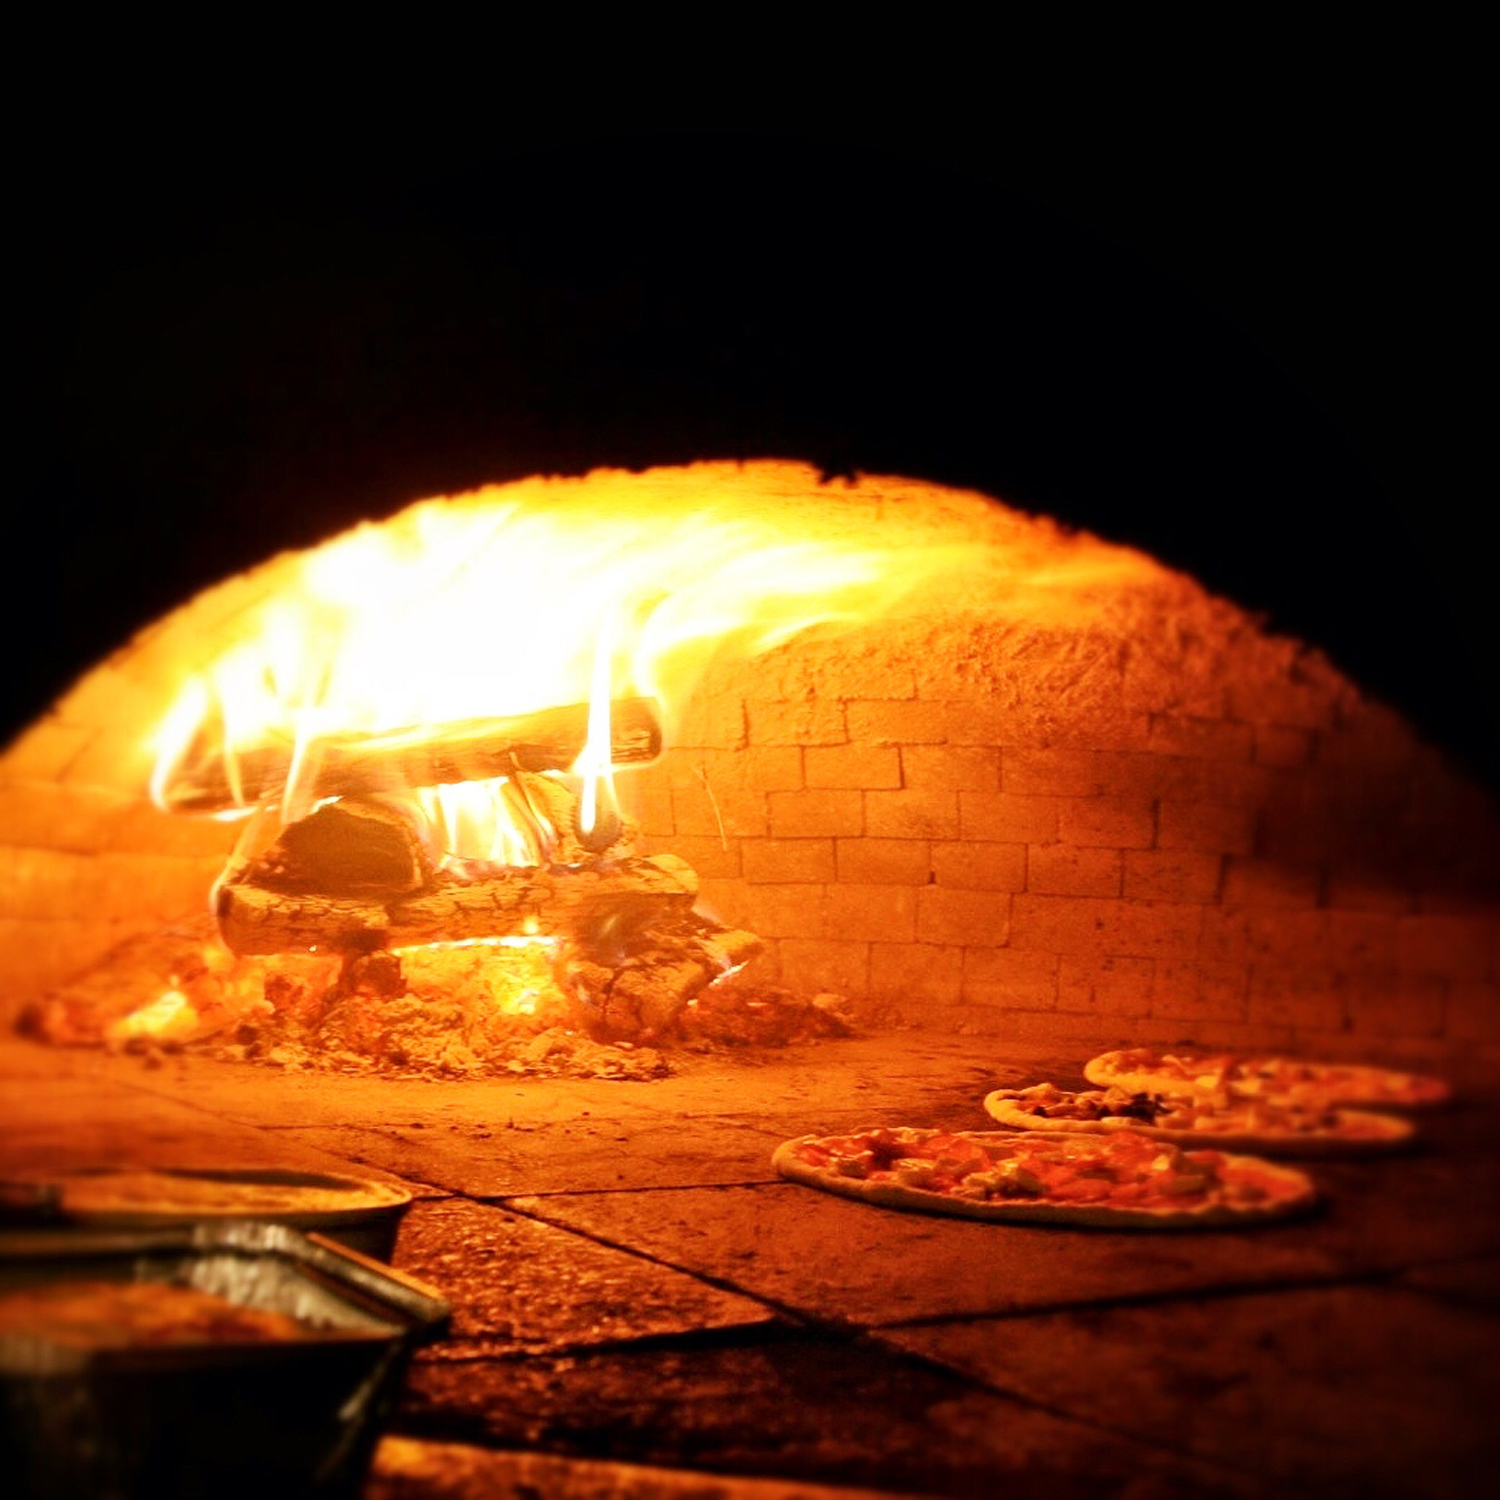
x,y
361,1213
202,1418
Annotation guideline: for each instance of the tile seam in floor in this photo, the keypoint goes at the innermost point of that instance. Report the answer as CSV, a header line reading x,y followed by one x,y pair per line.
x,y
799,1317
1233,1288
728,1335
1064,1414
783,1332
614,1192
1224,1291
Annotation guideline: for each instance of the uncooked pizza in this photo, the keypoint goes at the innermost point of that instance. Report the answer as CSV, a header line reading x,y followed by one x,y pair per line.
x,y
1124,1180
1279,1079
1216,1120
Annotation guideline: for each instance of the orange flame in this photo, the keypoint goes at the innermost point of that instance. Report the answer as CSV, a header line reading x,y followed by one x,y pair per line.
x,y
508,600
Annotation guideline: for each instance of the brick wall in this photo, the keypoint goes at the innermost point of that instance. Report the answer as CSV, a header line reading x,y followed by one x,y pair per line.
x,y
1110,808
1210,835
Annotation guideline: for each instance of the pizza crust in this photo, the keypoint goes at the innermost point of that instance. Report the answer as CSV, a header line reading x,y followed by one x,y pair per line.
x,y
1144,1070
1294,1193
149,1195
1382,1132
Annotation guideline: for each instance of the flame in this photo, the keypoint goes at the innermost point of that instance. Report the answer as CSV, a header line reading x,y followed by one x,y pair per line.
x,y
170,1017
508,600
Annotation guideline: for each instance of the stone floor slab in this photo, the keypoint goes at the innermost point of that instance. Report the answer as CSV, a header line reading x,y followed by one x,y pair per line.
x,y
821,1253
588,1155
904,1075
517,1286
833,1258
77,1123
1341,1391
641,1289
1468,1283
796,1408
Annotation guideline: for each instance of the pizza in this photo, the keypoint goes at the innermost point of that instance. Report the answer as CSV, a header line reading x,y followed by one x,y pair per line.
x,y
1277,1079
1216,1120
1125,1180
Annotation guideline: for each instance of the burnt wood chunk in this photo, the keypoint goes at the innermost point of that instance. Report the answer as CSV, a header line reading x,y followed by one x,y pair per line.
x,y
255,920
347,848
356,765
641,998
588,904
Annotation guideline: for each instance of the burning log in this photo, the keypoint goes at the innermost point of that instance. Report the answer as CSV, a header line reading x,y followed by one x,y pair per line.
x,y
348,848
616,896
642,998
209,780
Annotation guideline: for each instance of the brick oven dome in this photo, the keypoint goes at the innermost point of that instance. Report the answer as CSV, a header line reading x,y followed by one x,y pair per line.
x,y
1033,779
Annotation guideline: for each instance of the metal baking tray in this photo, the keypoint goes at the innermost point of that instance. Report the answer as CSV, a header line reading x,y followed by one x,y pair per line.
x,y
275,1419
362,1213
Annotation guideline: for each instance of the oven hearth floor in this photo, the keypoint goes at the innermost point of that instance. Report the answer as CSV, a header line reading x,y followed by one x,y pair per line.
x,y
642,1308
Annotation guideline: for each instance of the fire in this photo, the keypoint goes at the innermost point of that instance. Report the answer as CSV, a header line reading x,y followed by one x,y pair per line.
x,y
170,1017
505,601
417,727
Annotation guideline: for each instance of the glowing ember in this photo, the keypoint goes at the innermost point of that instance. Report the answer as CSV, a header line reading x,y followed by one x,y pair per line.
x,y
169,1018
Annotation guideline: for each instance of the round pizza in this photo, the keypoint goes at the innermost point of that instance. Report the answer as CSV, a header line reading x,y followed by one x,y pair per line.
x,y
1278,1079
1125,1180
1216,1120
121,1198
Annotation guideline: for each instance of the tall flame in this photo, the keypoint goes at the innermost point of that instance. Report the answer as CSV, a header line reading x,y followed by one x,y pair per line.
x,y
508,600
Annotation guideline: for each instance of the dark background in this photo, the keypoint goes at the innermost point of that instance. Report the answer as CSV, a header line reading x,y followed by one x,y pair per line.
x,y
1249,358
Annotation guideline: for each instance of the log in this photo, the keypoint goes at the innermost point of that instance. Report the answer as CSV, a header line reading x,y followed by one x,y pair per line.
x,y
608,897
641,999
207,780
254,920
349,847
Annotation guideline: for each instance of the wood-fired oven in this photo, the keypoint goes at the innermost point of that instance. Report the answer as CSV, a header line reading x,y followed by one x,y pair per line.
x,y
976,775
853,793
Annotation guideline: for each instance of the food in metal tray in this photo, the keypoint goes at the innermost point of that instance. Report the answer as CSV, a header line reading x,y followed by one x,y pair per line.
x,y
99,1314
217,1194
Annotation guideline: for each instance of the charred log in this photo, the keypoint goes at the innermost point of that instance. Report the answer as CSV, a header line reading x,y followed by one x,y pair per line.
x,y
641,997
347,848
255,920
591,904
209,780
